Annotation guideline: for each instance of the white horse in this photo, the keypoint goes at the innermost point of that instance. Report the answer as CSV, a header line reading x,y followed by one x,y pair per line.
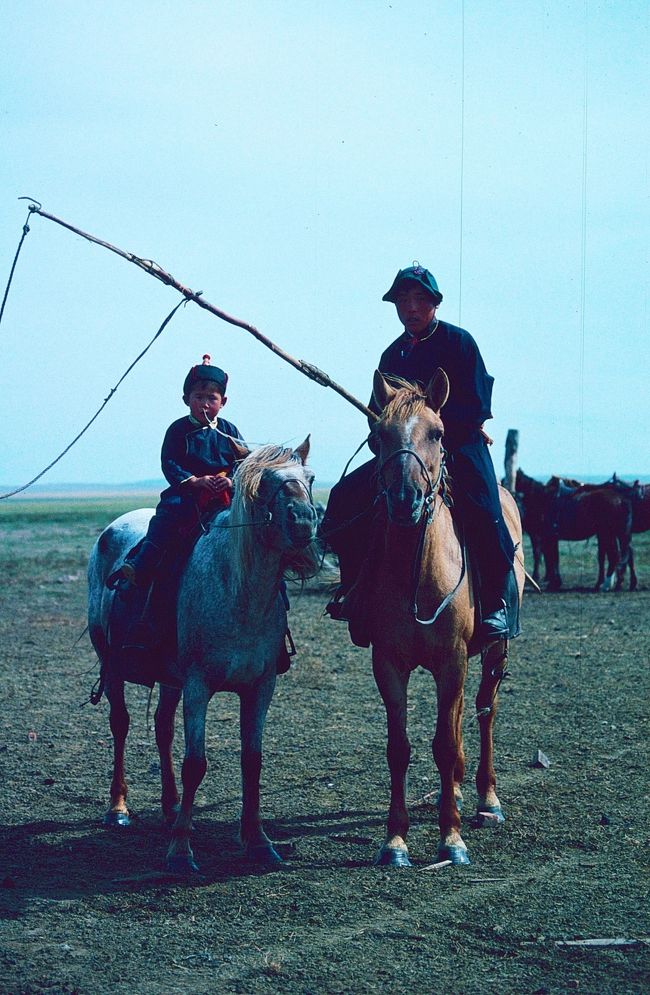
x,y
231,623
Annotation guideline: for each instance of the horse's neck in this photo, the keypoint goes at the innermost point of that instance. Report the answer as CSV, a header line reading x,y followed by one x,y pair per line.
x,y
250,571
440,554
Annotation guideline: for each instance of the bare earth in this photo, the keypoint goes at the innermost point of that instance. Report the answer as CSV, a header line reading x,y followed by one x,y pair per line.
x,y
91,911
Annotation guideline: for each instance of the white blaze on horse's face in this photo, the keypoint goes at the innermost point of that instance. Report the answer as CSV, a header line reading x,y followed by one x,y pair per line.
x,y
410,456
410,445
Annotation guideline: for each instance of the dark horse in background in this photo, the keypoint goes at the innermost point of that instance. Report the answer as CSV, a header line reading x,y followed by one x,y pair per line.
x,y
566,509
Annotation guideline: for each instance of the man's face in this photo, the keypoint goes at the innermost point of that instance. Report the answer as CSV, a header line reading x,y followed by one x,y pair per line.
x,y
205,401
415,307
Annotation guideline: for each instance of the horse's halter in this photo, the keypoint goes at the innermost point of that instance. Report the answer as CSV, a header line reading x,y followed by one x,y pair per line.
x,y
268,515
429,509
432,486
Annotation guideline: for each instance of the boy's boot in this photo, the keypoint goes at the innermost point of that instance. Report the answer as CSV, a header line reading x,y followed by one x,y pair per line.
x,y
137,570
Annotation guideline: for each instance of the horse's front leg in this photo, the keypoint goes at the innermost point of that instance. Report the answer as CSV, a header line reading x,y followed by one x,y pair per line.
x,y
196,696
494,662
448,754
393,685
164,722
253,706
118,813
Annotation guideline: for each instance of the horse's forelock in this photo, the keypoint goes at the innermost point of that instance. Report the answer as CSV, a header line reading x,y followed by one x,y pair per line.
x,y
302,563
407,402
252,469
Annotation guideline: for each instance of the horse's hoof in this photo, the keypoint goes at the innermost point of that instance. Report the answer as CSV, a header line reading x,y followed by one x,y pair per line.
x,y
182,864
489,816
456,853
392,857
263,853
117,819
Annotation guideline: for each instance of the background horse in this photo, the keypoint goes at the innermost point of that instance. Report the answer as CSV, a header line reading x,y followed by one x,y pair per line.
x,y
231,622
420,571
532,500
564,508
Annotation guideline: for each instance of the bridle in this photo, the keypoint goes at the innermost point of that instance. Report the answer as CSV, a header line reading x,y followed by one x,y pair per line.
x,y
430,510
267,515
432,486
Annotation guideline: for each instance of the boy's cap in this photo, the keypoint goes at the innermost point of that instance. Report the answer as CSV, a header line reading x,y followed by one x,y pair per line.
x,y
419,275
204,371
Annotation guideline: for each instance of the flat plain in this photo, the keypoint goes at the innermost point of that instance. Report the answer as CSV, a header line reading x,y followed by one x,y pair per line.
x,y
87,910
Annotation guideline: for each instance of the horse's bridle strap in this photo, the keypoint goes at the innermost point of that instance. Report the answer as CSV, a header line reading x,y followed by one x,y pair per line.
x,y
431,512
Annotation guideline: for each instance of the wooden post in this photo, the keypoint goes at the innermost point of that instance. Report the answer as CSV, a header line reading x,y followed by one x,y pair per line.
x,y
510,462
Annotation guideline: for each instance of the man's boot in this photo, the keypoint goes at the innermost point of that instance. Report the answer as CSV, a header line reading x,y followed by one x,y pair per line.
x,y
500,609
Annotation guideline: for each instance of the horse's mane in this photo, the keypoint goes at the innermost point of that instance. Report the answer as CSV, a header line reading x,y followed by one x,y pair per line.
x,y
245,537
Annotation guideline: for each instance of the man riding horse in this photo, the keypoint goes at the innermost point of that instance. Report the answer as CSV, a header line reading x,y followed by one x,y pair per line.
x,y
426,344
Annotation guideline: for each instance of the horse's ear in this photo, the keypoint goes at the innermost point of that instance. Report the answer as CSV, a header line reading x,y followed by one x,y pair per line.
x,y
438,390
382,390
241,451
303,450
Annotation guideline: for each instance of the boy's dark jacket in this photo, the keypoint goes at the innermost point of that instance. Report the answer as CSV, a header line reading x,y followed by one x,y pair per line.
x,y
191,451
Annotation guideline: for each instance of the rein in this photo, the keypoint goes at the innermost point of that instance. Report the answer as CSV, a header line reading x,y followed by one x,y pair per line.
x,y
430,512
268,514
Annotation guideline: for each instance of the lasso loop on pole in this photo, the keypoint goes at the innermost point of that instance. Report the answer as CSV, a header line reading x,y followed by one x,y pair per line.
x,y
99,411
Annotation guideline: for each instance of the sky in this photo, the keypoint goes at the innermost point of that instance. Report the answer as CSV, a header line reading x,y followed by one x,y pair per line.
x,y
286,158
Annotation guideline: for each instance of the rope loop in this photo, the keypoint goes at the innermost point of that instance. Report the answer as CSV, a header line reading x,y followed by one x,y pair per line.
x,y
38,476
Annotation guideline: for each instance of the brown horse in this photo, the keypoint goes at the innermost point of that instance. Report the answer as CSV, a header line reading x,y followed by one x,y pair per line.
x,y
579,511
421,612
567,509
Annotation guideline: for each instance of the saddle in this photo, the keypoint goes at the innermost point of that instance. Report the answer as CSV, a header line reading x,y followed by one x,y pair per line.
x,y
349,604
142,623
563,511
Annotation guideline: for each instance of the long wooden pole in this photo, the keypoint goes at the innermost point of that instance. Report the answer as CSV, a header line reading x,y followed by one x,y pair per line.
x,y
151,267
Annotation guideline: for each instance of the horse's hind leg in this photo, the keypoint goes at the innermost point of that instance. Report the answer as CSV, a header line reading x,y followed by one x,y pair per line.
x,y
494,661
253,706
603,550
195,706
118,813
393,685
164,722
448,754
630,563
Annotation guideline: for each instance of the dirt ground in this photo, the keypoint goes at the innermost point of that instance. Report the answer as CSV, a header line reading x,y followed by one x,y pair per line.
x,y
87,910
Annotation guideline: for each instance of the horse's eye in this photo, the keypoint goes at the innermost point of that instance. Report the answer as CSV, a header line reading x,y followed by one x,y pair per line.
x,y
435,435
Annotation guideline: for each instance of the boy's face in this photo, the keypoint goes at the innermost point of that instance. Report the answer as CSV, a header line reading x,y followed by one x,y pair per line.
x,y
205,401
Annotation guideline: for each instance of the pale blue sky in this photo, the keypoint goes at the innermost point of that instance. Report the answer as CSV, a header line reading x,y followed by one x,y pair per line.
x,y
287,158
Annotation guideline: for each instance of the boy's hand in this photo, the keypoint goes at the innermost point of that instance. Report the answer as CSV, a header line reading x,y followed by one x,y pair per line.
x,y
215,484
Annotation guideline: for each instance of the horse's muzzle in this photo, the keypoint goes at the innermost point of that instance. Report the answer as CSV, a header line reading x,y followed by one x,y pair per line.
x,y
302,522
405,507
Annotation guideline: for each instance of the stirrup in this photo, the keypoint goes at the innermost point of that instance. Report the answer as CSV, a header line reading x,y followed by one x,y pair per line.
x,y
122,579
338,608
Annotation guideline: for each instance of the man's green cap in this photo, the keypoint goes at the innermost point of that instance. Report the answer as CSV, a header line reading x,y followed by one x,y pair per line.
x,y
418,274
